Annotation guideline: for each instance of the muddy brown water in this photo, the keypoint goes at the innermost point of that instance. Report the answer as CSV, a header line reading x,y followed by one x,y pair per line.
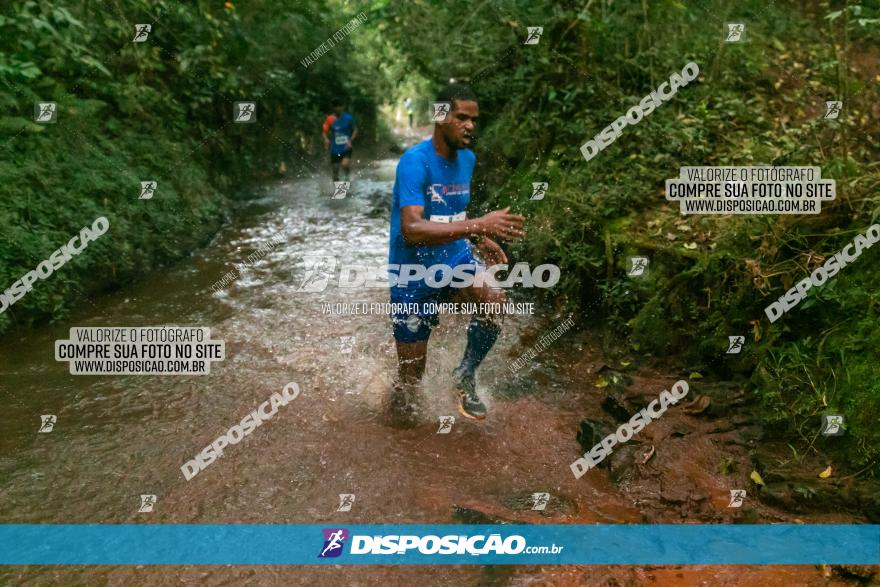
x,y
118,437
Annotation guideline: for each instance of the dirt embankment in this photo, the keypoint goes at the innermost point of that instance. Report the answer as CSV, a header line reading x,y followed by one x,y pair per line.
x,y
682,467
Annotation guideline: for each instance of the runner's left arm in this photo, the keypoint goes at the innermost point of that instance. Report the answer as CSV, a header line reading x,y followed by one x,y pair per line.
x,y
491,251
354,134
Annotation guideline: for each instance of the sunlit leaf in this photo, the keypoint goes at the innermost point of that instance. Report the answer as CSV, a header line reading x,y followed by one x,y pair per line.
x,y
756,477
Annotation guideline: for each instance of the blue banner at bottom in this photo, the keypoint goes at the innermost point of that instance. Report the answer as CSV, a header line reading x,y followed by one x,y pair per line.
x,y
270,544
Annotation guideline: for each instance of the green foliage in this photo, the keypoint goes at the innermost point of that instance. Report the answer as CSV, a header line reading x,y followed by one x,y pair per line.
x,y
758,102
159,110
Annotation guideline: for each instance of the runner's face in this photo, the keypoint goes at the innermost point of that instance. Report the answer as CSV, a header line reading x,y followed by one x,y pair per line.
x,y
459,126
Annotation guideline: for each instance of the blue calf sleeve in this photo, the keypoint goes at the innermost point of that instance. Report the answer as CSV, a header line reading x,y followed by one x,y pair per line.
x,y
481,335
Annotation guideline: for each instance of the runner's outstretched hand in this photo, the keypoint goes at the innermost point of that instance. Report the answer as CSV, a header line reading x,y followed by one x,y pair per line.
x,y
502,224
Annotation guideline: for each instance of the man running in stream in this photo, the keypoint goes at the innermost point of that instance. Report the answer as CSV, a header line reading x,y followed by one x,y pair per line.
x,y
429,226
340,132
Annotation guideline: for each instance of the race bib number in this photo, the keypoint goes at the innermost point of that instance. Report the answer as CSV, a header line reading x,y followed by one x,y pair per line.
x,y
341,139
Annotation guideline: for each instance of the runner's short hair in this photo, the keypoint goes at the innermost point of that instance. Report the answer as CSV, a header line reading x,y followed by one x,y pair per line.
x,y
454,92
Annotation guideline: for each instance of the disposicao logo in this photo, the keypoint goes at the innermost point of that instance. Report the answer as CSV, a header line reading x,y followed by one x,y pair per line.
x,y
334,540
404,544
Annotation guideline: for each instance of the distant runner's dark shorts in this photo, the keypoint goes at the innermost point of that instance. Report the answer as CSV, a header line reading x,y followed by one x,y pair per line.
x,y
336,157
420,316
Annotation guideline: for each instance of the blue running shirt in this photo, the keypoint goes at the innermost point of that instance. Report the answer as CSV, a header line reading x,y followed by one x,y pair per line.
x,y
442,186
340,133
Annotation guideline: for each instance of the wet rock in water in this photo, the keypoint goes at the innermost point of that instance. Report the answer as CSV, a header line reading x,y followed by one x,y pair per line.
x,y
862,572
682,495
750,434
525,501
616,405
721,427
742,419
699,495
472,516
591,433
803,496
608,376
681,429
799,493
615,582
378,197
745,425
728,398
622,462
377,212
868,495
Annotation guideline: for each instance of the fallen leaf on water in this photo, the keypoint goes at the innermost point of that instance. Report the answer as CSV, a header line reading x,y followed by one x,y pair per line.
x,y
647,456
826,473
756,477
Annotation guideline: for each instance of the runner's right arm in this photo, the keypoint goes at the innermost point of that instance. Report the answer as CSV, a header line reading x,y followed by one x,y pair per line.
x,y
326,128
498,224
